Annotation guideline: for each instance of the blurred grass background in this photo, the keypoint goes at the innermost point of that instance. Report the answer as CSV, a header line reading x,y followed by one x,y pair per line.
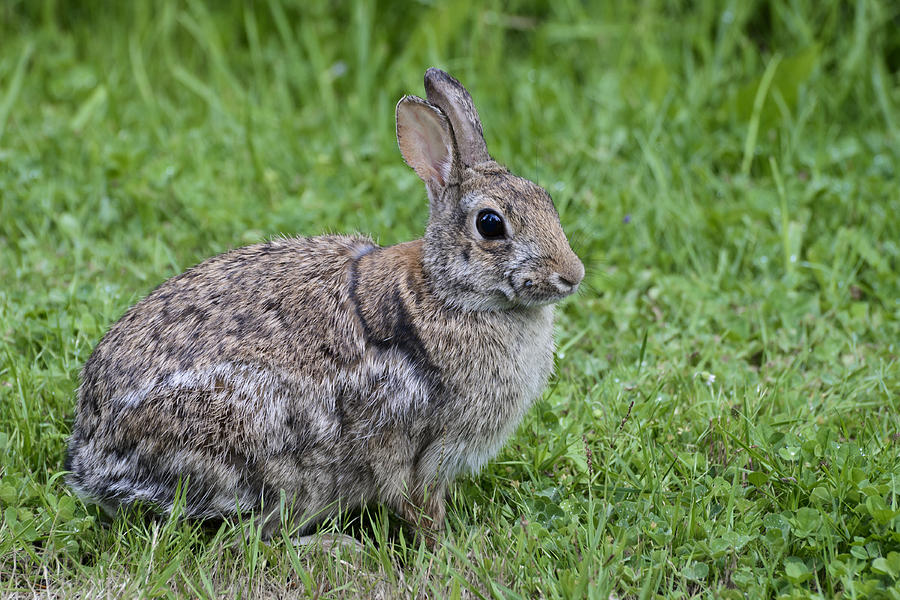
x,y
724,418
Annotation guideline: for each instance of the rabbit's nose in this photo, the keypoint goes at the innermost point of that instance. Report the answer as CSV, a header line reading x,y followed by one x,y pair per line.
x,y
569,275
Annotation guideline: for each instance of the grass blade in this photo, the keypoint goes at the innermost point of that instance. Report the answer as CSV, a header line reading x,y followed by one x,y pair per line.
x,y
15,86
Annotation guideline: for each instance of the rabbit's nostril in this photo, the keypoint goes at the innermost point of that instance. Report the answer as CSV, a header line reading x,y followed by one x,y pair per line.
x,y
563,285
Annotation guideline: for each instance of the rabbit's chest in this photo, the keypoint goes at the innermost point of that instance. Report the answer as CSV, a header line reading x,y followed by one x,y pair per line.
x,y
496,386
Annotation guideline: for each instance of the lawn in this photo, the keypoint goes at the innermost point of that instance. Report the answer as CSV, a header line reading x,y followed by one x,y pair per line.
x,y
725,416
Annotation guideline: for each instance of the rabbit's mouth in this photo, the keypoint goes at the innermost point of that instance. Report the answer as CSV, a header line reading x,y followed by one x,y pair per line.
x,y
508,289
526,289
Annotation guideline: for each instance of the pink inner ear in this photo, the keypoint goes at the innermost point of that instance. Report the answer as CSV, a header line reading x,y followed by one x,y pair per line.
x,y
424,146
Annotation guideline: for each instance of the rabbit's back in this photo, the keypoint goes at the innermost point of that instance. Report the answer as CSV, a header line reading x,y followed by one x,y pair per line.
x,y
246,305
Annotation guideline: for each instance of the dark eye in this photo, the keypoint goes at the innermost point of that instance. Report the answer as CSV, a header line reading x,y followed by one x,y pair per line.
x,y
490,225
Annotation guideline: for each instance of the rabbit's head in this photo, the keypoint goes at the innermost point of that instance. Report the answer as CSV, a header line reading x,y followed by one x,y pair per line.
x,y
494,240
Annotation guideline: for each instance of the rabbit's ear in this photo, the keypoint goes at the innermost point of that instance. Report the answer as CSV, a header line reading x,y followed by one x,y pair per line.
x,y
450,96
426,142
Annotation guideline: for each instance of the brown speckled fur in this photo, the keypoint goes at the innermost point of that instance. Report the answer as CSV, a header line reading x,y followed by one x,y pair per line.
x,y
328,368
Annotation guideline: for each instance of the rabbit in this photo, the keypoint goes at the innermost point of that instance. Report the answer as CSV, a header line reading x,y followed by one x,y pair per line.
x,y
328,371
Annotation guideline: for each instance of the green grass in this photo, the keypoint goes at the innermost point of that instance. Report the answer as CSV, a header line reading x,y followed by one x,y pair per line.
x,y
724,418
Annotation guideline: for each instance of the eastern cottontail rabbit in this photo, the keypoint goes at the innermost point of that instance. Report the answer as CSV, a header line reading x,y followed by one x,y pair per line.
x,y
330,369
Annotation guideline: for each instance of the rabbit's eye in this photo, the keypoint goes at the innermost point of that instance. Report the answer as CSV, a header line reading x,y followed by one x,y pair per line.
x,y
490,225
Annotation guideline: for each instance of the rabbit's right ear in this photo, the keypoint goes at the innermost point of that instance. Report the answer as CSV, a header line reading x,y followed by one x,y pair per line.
x,y
448,94
426,142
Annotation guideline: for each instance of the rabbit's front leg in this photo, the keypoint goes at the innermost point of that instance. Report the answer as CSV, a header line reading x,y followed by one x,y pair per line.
x,y
424,511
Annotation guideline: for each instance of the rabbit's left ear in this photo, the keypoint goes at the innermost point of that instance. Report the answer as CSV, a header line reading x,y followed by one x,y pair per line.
x,y
426,142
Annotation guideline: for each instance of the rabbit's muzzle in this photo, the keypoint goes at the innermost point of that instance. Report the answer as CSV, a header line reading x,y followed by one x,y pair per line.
x,y
543,281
